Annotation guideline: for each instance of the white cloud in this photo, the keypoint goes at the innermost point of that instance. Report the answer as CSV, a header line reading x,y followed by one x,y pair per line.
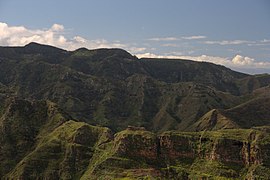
x,y
170,45
79,39
164,39
236,62
213,59
265,41
176,38
136,49
225,42
175,53
6,31
19,35
57,27
55,36
240,60
194,37
233,42
150,55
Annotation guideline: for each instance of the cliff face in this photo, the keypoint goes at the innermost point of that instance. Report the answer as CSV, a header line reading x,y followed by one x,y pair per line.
x,y
63,154
22,122
39,141
234,150
217,154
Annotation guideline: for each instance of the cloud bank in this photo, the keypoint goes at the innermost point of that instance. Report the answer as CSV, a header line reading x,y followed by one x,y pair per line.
x,y
19,35
194,37
55,36
226,42
177,38
164,39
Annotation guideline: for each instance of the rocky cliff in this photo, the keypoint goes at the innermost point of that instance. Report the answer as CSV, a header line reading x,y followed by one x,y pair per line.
x,y
176,155
39,140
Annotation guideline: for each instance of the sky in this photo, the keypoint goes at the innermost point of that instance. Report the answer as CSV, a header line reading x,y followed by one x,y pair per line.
x,y
234,33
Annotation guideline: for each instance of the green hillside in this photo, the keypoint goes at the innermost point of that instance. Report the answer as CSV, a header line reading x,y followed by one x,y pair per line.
x,y
112,88
105,114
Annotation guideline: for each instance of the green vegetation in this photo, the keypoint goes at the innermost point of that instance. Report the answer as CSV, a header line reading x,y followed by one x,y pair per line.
x,y
58,147
169,119
110,87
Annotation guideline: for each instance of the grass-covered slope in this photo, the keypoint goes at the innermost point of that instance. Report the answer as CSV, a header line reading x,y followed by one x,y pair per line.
x,y
39,141
112,88
76,150
62,154
49,97
172,71
246,115
227,154
22,123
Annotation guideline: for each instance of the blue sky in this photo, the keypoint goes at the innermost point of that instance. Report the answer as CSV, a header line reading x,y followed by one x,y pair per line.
x,y
235,33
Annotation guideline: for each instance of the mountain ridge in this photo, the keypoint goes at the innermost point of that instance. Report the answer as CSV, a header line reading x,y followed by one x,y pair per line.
x,y
90,114
111,87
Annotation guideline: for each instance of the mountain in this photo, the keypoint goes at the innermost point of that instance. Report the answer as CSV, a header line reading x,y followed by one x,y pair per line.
x,y
112,88
105,114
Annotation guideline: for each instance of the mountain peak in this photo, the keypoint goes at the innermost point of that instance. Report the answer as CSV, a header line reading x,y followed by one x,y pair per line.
x,y
35,47
82,49
114,51
33,44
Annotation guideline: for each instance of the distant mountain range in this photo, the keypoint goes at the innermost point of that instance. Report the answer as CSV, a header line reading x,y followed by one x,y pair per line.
x,y
104,112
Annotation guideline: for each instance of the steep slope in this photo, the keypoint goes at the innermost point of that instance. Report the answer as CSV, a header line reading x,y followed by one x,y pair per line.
x,y
39,141
247,115
22,123
112,88
175,155
62,154
76,150
253,113
213,120
249,84
209,74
